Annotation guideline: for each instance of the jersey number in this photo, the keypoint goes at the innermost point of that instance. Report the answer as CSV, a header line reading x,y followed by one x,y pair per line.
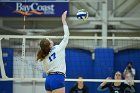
x,y
53,56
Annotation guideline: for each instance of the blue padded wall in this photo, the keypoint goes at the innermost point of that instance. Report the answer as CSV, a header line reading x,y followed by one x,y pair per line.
x,y
104,64
79,63
7,86
122,58
104,61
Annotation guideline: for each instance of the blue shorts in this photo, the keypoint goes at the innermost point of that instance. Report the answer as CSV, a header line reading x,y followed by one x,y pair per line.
x,y
54,81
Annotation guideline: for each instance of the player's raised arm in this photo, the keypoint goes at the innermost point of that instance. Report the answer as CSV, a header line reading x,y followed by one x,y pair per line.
x,y
64,42
64,16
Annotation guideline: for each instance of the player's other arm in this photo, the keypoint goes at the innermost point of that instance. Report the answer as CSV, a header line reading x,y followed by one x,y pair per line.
x,y
104,85
64,42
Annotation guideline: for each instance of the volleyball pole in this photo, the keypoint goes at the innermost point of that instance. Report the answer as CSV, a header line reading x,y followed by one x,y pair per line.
x,y
3,74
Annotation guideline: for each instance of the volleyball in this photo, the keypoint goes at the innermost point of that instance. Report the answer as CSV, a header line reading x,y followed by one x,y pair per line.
x,y
82,14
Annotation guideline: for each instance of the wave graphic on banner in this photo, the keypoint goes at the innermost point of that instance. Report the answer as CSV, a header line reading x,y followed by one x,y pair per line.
x,y
29,13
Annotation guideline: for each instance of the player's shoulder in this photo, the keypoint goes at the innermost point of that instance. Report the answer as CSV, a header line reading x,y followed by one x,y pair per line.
x,y
54,48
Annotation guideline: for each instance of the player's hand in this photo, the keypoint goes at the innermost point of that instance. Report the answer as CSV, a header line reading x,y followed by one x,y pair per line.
x,y
64,15
108,78
104,83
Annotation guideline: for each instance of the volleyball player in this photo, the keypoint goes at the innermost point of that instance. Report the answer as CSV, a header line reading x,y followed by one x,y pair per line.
x,y
53,58
116,87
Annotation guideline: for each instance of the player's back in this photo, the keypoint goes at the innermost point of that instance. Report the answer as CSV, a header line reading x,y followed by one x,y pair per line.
x,y
55,61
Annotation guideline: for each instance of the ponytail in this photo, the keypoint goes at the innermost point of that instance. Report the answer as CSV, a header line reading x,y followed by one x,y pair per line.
x,y
44,51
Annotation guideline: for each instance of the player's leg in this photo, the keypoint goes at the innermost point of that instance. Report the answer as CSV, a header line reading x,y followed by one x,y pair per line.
x,y
48,92
60,90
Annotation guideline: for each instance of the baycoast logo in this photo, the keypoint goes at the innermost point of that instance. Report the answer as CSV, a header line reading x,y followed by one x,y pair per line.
x,y
34,8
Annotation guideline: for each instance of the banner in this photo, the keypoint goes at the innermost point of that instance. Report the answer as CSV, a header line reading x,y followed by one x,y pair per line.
x,y
34,0
52,8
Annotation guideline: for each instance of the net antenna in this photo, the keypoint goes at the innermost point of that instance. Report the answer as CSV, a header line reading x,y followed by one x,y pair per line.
x,y
23,45
24,18
3,74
